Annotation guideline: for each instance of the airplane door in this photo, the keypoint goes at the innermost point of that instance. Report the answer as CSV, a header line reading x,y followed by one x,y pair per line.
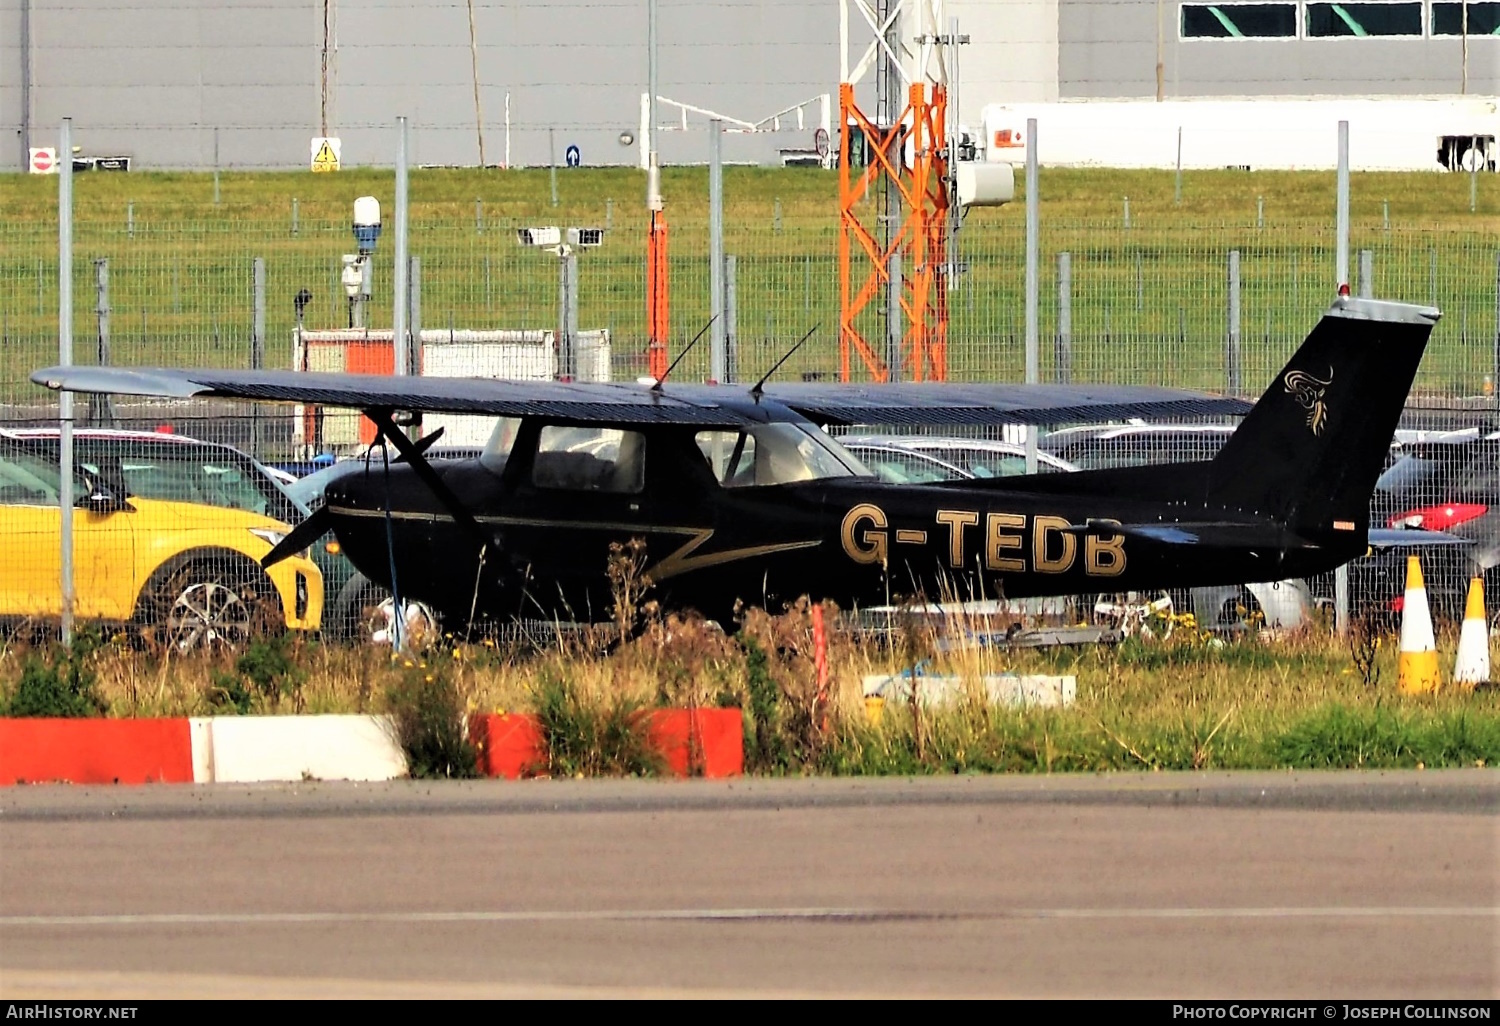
x,y
586,487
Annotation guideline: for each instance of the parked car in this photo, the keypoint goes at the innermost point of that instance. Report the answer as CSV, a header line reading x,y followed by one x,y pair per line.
x,y
915,459
1101,446
186,574
1450,485
178,468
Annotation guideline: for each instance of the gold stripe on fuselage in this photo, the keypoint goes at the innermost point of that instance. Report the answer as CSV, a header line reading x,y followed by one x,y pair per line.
x,y
680,561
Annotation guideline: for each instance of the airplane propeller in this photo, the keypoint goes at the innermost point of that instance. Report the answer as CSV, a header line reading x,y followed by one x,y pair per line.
x,y
424,443
320,522
301,536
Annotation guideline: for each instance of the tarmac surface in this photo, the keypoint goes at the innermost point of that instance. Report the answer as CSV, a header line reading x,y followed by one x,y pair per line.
x,y
1319,885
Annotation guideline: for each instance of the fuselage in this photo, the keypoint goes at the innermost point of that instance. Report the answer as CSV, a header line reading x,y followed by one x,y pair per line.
x,y
546,551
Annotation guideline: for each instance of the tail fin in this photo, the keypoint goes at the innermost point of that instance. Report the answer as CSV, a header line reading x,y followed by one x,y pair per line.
x,y
1310,451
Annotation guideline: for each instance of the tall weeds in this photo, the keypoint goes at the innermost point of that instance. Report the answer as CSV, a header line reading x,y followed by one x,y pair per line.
x,y
1188,701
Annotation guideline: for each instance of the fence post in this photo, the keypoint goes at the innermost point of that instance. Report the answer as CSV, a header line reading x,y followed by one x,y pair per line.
x,y
731,319
1177,184
65,358
478,217
294,215
717,334
1341,212
1341,261
1476,158
1367,273
1033,278
567,314
892,317
414,305
401,353
257,344
1495,359
1232,356
1063,357
130,220
101,406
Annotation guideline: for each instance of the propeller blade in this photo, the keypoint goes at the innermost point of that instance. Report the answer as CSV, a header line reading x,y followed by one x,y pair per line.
x,y
303,535
426,442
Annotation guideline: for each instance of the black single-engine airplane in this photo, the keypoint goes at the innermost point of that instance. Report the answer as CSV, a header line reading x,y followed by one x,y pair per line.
x,y
741,495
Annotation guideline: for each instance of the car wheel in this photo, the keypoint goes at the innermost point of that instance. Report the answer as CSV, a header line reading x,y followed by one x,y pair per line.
x,y
203,608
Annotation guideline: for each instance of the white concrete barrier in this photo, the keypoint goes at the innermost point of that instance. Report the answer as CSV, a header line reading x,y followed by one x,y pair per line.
x,y
1030,689
248,749
201,732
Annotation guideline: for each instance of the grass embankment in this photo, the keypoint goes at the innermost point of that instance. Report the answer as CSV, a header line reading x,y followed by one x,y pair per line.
x,y
1185,702
1149,300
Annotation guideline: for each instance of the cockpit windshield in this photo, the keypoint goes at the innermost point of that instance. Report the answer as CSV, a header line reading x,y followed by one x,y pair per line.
x,y
769,454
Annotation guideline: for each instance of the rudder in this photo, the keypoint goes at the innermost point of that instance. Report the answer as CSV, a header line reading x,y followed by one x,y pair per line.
x,y
1310,451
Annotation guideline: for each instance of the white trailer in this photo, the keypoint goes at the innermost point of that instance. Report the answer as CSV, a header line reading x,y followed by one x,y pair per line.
x,y
1385,134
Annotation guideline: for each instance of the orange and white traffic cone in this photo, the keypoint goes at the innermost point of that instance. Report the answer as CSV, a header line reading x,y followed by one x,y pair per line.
x,y
1417,665
1473,663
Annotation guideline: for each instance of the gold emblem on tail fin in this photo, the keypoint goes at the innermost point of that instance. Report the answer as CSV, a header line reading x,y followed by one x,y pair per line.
x,y
1308,391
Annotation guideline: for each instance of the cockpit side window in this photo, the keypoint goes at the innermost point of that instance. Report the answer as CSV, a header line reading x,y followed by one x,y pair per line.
x,y
590,459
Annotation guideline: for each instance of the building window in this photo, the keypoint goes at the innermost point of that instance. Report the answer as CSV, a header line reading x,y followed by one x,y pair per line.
x,y
1448,19
1364,19
1239,21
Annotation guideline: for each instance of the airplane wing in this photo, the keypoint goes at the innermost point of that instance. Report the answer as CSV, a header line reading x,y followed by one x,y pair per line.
x,y
605,402
914,404
903,404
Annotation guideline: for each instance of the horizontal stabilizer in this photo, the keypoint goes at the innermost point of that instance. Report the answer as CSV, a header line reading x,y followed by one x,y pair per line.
x,y
1407,537
1205,534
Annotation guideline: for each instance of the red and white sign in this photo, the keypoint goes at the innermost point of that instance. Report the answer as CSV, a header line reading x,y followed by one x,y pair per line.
x,y
44,160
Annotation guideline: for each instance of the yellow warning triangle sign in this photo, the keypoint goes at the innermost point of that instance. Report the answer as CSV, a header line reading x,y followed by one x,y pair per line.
x,y
326,159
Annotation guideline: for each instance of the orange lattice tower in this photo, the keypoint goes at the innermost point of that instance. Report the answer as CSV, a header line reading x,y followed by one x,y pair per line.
x,y
906,157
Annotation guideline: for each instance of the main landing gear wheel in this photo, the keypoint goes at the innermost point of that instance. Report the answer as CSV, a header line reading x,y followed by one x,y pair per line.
x,y
1148,615
366,614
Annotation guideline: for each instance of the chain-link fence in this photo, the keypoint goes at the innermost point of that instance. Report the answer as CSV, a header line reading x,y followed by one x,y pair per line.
x,y
1211,306
1207,306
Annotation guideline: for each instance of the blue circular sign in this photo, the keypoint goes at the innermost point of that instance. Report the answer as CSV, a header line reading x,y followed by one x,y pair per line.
x,y
573,156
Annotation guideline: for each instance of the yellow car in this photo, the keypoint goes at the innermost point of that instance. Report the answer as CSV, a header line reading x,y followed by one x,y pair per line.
x,y
188,575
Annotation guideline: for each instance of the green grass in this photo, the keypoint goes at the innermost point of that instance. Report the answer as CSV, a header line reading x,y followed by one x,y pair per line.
x,y
1149,301
1186,702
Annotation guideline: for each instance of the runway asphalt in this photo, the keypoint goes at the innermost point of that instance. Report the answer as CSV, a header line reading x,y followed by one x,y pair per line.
x,y
1336,885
